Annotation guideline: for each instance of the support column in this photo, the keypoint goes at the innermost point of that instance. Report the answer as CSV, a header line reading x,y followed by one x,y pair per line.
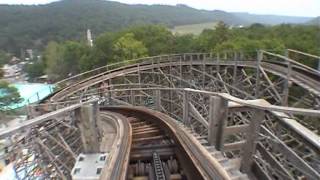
x,y
158,100
287,81
31,112
186,119
235,68
259,59
218,114
87,117
251,140
109,92
132,98
218,63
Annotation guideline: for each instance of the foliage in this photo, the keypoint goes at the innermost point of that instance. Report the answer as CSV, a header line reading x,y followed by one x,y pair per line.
x,y
250,46
8,96
52,57
184,43
35,69
157,39
127,47
4,58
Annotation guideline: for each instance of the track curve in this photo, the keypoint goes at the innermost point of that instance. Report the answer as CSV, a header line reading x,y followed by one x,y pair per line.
x,y
194,160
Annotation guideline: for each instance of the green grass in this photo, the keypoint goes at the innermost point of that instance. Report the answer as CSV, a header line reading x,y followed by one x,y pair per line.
x,y
193,28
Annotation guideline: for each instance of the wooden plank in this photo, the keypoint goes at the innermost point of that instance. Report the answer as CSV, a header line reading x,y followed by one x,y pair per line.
x,y
236,129
234,146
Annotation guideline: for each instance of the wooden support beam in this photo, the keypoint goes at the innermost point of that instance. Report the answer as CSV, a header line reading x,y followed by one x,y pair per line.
x,y
289,154
251,140
65,146
52,159
284,174
218,114
270,83
197,115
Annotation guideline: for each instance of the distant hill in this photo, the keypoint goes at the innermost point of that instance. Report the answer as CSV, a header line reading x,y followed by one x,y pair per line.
x,y
32,26
25,26
315,21
272,19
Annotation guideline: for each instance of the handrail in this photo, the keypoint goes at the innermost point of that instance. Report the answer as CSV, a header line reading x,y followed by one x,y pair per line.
x,y
113,64
303,53
292,61
257,103
26,124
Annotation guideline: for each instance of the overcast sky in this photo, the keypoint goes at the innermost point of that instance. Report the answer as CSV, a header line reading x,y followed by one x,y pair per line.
x,y
279,7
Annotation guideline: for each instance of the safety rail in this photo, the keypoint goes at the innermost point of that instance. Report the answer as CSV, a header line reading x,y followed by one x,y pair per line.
x,y
225,56
147,60
45,146
290,62
314,57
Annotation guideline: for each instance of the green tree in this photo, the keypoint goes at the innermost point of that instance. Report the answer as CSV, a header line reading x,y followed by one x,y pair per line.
x,y
184,43
52,57
1,72
35,69
221,32
4,58
9,96
104,46
63,60
208,39
250,46
156,38
127,47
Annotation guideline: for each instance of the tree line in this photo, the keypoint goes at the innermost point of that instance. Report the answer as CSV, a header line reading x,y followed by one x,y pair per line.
x,y
62,59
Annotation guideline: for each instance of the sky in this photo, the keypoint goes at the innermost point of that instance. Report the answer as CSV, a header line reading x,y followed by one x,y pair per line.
x,y
309,8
